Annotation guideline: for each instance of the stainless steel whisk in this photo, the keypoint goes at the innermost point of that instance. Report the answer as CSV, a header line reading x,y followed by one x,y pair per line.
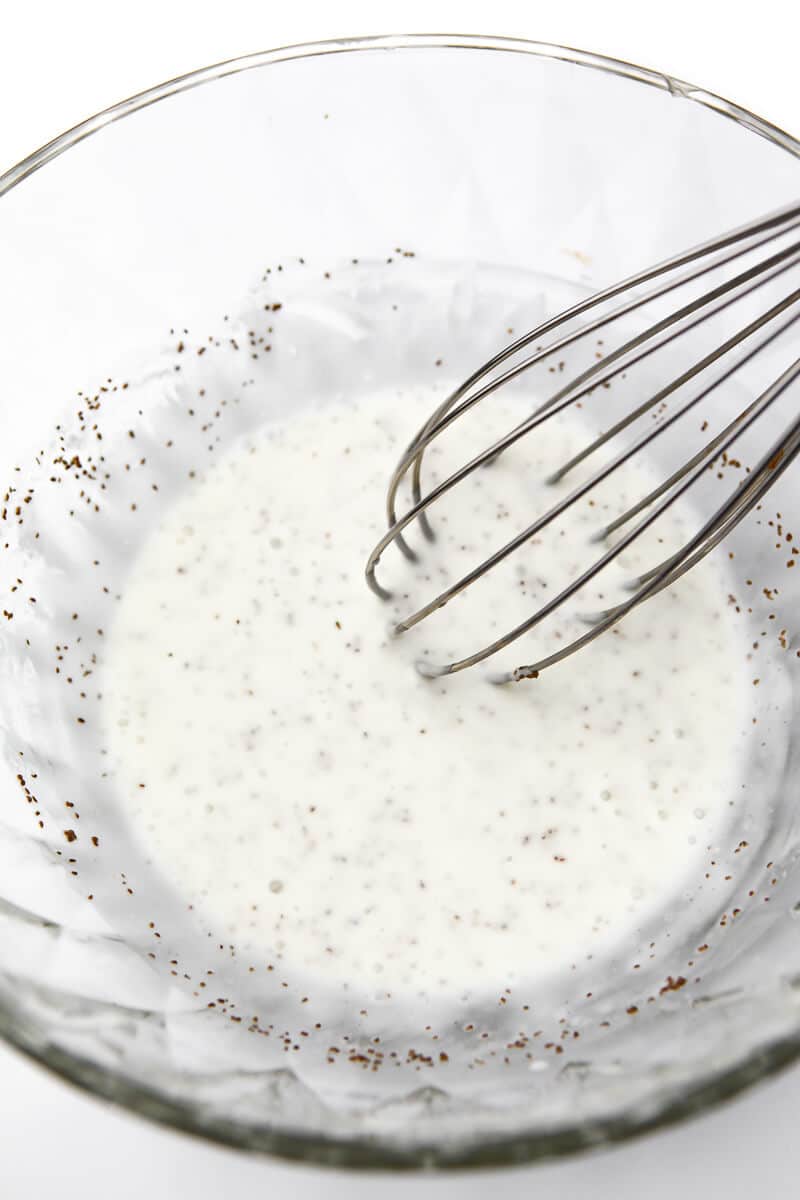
x,y
764,236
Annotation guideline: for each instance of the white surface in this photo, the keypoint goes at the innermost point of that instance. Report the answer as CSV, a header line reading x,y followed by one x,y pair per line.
x,y
60,62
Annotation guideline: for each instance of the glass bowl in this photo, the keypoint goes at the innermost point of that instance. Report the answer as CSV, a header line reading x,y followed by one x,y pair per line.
x,y
535,173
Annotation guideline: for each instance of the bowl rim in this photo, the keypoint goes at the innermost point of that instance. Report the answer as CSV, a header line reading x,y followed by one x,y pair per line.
x,y
706,1091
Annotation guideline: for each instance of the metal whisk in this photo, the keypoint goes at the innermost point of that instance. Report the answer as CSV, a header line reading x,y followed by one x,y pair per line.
x,y
769,238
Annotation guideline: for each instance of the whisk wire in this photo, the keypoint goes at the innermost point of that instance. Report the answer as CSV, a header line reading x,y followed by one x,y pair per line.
x,y
593,377
707,453
749,494
784,220
658,333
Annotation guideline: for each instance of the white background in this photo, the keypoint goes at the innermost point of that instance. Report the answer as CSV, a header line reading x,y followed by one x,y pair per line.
x,y
59,62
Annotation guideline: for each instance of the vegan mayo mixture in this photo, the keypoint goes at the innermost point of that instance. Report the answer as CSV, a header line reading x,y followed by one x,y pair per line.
x,y
291,774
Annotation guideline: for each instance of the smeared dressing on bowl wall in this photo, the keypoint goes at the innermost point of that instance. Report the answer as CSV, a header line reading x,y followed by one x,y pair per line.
x,y
302,837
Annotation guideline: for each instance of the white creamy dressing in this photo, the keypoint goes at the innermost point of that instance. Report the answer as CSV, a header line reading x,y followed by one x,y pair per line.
x,y
294,778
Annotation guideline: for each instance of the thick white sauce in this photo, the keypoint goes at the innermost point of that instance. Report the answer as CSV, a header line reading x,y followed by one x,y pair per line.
x,y
294,778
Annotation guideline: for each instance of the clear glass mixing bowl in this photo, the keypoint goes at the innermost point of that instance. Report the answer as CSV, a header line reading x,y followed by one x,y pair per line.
x,y
127,245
